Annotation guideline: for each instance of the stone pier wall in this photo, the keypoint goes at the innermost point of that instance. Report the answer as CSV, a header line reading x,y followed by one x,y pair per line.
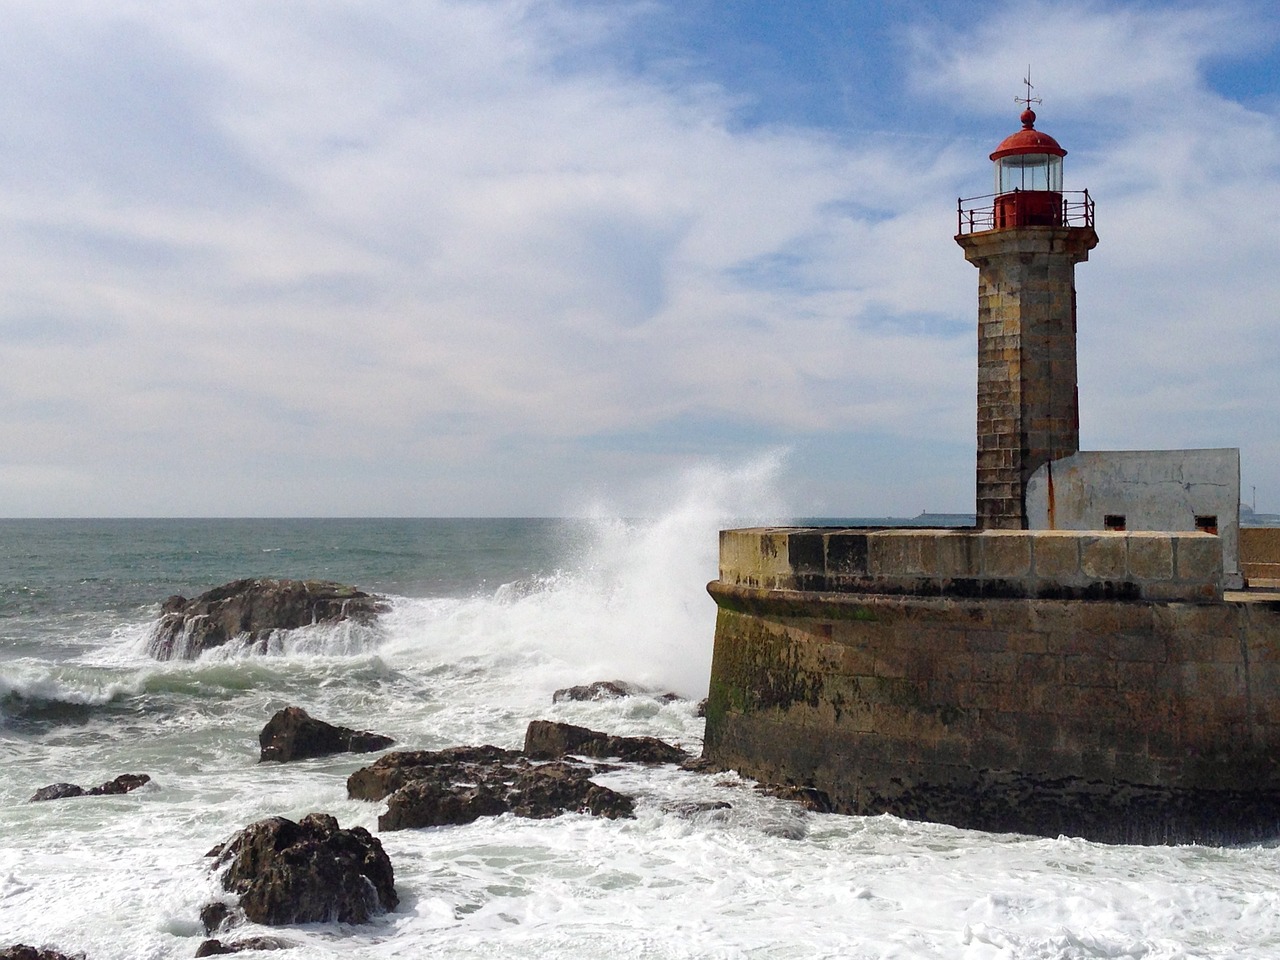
x,y
1260,553
1044,564
1136,719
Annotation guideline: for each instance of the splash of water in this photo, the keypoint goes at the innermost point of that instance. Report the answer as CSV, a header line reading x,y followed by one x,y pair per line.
x,y
631,606
655,620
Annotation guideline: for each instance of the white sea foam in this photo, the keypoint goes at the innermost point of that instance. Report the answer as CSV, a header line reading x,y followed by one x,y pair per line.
x,y
124,877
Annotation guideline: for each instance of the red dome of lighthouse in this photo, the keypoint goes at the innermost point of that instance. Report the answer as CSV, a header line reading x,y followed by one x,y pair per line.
x,y
1028,140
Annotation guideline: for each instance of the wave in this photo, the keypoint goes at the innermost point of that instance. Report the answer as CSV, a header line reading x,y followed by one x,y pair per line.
x,y
627,601
42,694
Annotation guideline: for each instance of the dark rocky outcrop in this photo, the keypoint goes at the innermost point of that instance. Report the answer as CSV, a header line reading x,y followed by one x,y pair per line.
x,y
453,765
217,915
251,610
306,872
548,789
426,788
432,803
462,784
548,739
811,798
20,951
600,690
609,690
124,783
214,948
292,734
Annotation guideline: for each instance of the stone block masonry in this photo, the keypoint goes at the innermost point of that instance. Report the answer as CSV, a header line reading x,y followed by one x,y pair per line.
x,y
1260,553
935,675
1027,406
1045,564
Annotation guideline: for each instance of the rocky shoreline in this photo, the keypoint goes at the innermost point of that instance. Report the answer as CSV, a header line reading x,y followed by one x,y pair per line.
x,y
278,872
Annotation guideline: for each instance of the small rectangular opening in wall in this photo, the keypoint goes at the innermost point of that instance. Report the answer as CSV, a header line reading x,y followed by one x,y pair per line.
x,y
1113,521
1207,524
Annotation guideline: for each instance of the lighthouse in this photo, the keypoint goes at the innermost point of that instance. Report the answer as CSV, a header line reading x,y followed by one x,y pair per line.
x,y
1025,239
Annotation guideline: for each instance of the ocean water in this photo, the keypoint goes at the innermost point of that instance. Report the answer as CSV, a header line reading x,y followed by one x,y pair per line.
x,y
489,618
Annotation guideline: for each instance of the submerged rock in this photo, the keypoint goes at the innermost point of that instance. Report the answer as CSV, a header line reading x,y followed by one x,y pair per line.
x,y
293,734
549,739
811,798
600,690
609,690
20,951
213,948
124,783
57,791
217,915
306,872
251,610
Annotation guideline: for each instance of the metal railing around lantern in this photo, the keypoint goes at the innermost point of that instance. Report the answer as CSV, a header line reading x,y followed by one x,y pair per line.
x,y
975,214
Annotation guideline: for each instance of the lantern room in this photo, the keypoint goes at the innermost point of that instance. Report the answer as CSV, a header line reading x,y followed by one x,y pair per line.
x,y
1028,178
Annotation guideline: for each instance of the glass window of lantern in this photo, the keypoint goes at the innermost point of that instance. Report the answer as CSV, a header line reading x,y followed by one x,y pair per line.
x,y
1029,171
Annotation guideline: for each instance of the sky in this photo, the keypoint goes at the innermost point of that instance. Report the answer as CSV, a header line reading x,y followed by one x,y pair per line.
x,y
528,257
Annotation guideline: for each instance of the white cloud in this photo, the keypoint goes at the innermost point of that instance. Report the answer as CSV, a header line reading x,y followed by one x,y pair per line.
x,y
368,258
1177,344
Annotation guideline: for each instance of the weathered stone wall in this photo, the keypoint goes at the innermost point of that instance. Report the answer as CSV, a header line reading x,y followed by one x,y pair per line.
x,y
1027,406
1126,721
1260,553
971,563
1087,683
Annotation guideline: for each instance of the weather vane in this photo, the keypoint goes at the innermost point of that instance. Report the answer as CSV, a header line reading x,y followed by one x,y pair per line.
x,y
1028,100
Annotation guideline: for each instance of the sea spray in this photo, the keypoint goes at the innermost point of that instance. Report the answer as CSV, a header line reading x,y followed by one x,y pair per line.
x,y
649,616
630,603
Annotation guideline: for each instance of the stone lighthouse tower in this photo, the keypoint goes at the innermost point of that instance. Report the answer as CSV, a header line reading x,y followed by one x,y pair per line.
x,y
1025,240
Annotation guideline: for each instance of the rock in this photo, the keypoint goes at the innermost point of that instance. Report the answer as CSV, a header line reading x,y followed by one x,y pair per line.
x,y
426,788
535,791
217,915
550,789
600,690
811,798
213,948
429,803
57,791
689,809
307,872
20,951
251,610
700,765
124,783
609,690
549,740
292,734
455,764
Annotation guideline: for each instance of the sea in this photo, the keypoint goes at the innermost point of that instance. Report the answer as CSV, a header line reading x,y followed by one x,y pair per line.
x,y
488,619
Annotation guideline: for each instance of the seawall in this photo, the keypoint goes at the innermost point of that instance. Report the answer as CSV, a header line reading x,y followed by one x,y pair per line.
x,y
1092,684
